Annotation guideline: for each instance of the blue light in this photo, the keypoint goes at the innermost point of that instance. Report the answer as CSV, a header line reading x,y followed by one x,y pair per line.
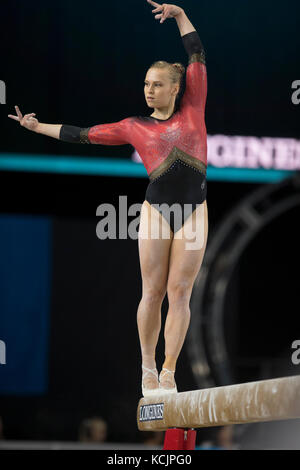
x,y
125,168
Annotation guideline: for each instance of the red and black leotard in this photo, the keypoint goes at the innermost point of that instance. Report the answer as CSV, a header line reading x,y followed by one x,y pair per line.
x,y
174,151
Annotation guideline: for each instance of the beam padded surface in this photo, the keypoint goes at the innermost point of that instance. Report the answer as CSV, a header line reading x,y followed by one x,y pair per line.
x,y
266,400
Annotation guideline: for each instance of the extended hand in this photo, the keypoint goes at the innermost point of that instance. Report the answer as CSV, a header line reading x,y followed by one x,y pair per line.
x,y
27,121
167,10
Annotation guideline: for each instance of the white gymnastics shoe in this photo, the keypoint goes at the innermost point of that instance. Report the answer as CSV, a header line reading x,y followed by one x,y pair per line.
x,y
165,390
148,392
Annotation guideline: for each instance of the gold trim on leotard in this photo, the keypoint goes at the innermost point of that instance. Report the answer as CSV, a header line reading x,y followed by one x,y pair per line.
x,y
177,154
197,57
84,136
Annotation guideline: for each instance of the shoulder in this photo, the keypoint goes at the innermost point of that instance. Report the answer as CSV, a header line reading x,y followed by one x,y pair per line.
x,y
132,119
142,119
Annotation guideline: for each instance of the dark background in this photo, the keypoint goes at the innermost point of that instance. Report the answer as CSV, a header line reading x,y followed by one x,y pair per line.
x,y
84,64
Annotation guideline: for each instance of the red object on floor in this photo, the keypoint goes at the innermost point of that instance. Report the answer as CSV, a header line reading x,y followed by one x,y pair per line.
x,y
174,439
179,439
190,441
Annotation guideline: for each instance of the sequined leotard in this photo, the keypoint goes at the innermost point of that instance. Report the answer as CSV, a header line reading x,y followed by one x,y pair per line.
x,y
174,151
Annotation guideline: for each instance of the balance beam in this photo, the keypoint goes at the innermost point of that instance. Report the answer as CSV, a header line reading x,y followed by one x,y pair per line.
x,y
266,400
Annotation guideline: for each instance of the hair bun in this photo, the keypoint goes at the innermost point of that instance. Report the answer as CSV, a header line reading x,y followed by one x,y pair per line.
x,y
179,66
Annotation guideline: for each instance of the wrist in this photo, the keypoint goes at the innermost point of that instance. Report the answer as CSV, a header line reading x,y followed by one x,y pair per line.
x,y
37,129
181,13
181,18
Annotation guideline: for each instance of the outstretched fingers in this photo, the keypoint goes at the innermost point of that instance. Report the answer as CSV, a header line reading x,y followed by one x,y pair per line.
x,y
163,9
154,3
13,117
165,15
158,8
18,112
19,116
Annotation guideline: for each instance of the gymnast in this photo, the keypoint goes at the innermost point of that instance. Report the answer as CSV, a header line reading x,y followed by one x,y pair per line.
x,y
172,143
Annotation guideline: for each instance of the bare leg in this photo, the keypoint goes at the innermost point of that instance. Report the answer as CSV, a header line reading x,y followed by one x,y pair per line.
x,y
149,325
184,267
154,262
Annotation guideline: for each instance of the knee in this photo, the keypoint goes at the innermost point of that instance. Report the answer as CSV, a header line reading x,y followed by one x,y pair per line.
x,y
179,291
153,295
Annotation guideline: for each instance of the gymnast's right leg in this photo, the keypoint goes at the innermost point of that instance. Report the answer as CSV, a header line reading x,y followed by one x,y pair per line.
x,y
154,263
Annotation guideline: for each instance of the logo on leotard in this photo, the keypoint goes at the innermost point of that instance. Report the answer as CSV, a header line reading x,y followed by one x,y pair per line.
x,y
152,412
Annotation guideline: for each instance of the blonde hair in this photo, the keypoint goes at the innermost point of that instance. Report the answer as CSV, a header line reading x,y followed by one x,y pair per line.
x,y
176,72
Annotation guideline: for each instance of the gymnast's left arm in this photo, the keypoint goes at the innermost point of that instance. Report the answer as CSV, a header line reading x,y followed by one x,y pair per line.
x,y
196,75
114,133
196,79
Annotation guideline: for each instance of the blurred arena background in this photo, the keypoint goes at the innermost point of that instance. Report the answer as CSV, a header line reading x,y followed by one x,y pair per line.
x,y
71,363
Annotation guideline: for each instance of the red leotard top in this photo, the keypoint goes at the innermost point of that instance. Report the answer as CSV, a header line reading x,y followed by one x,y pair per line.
x,y
155,139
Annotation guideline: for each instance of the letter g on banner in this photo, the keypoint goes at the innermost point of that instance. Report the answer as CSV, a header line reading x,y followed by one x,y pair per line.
x,y
2,92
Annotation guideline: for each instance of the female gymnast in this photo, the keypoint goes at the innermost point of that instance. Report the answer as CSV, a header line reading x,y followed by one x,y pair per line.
x,y
172,143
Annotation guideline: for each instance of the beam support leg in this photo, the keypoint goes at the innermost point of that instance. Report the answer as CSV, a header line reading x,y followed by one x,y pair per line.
x,y
190,441
179,439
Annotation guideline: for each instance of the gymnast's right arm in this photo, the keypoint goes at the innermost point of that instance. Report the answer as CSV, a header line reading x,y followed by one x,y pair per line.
x,y
115,133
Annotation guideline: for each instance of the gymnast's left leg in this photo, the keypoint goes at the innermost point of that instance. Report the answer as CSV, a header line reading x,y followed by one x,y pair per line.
x,y
183,269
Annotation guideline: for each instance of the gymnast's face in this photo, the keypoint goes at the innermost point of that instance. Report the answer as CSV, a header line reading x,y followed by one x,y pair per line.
x,y
159,87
